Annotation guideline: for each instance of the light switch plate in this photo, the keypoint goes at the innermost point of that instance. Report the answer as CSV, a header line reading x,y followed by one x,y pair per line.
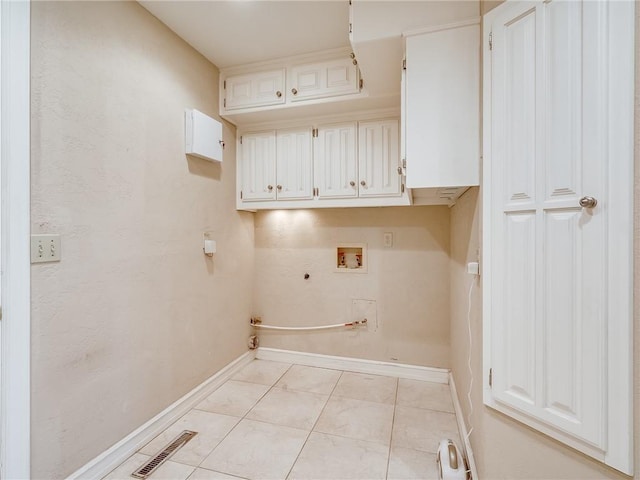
x,y
45,248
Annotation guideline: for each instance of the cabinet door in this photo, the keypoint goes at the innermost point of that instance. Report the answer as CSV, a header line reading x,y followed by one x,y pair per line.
x,y
557,274
257,164
442,116
324,79
336,169
378,159
294,165
254,90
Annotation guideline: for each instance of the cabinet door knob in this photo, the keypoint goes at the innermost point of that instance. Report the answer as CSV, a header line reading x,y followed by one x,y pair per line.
x,y
399,170
352,183
278,94
294,91
279,187
588,202
269,187
363,183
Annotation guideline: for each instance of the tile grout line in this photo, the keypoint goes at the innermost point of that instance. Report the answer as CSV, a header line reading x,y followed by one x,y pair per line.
x,y
314,424
270,388
196,467
240,418
393,422
352,438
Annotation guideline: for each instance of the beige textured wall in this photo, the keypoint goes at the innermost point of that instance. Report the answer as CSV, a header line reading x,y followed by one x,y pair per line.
x,y
504,448
134,316
409,282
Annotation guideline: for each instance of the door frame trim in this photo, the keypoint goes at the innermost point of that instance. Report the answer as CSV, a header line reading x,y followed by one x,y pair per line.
x,y
15,330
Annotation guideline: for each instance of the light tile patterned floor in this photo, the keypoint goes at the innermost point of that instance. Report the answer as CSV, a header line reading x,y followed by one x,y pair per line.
x,y
279,421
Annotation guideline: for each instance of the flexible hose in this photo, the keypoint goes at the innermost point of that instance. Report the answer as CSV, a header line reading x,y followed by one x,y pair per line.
x,y
319,327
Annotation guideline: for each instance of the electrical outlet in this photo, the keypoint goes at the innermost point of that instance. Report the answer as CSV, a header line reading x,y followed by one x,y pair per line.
x,y
387,239
473,268
45,248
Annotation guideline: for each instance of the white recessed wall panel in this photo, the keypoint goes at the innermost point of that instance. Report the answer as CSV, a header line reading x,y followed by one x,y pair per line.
x,y
340,75
519,307
519,59
562,329
563,84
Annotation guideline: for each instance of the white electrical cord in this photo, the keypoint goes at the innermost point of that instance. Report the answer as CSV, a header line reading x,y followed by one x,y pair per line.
x,y
469,361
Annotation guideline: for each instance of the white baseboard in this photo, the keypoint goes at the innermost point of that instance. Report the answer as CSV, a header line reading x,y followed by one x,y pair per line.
x,y
462,429
374,367
118,453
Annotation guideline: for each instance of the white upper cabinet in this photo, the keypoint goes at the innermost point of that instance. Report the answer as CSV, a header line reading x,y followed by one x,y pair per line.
x,y
253,90
441,107
336,164
294,164
557,220
257,166
323,79
318,84
348,164
379,168
275,165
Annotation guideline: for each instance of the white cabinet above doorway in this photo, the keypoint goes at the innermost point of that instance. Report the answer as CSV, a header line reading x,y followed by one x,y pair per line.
x,y
441,106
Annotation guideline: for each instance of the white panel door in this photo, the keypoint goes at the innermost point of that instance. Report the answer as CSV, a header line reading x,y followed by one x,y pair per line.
x,y
323,79
546,246
379,159
335,161
254,89
294,164
258,166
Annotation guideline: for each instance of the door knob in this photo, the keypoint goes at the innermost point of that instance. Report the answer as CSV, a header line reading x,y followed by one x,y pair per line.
x,y
279,187
352,183
294,91
278,94
363,183
270,187
588,202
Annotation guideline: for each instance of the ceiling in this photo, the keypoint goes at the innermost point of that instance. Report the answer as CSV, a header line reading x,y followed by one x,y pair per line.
x,y
238,32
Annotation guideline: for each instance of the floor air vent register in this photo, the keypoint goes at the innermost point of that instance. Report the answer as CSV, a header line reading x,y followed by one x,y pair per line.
x,y
162,456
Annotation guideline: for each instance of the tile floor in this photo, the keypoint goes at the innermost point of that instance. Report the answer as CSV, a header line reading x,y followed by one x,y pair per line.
x,y
279,421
